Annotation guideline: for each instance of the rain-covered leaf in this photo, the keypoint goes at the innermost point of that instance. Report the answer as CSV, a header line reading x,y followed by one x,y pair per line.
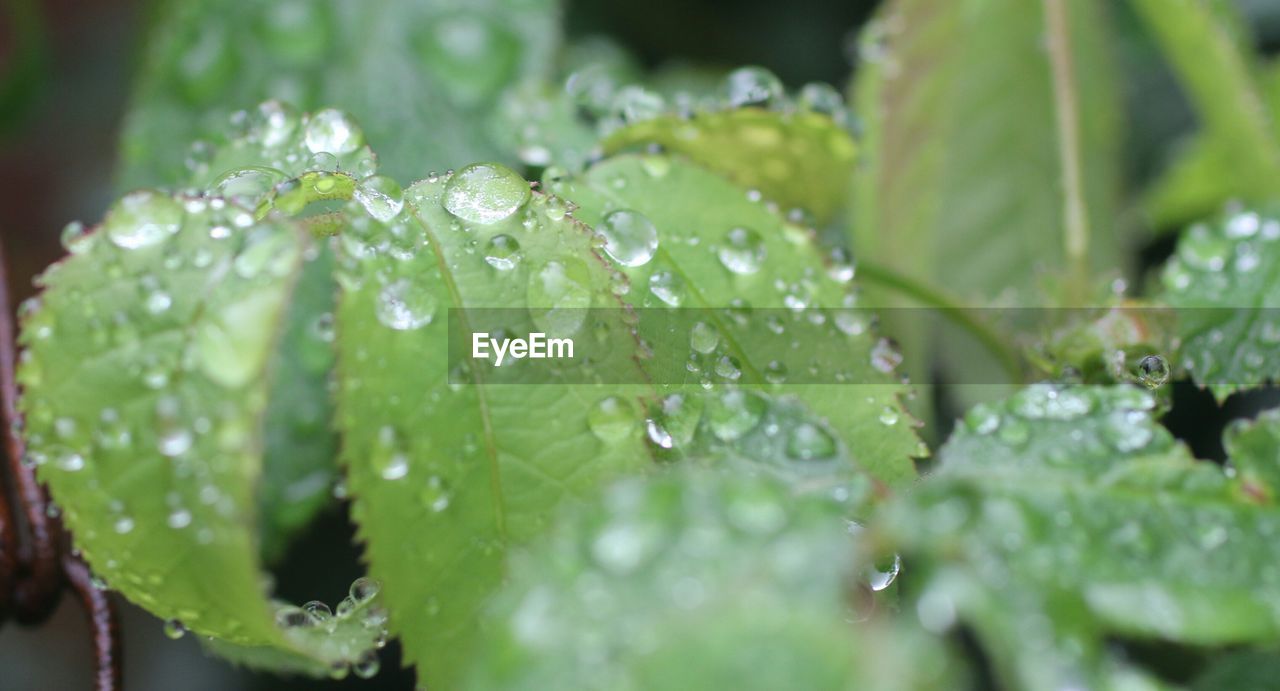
x,y
798,154
421,76
1253,447
148,377
698,580
449,463
1224,283
757,285
1062,515
1237,154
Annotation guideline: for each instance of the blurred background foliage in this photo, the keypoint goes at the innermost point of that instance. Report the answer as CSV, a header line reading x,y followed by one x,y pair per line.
x,y
66,70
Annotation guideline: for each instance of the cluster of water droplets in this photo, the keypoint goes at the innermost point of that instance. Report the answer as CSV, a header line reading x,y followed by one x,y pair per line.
x,y
1102,421
348,635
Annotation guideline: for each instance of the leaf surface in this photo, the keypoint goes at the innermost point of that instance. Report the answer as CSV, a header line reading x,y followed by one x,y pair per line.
x,y
449,464
717,251
147,378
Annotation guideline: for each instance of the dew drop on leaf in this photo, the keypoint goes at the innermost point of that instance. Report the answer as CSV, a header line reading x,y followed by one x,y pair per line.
x,y
630,237
380,196
1153,371
332,131
612,419
404,307
142,219
742,252
559,293
667,287
734,413
807,441
502,252
752,86
173,629
485,193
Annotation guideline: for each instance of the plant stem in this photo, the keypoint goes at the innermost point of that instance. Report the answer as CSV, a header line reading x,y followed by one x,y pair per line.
x,y
993,341
1074,217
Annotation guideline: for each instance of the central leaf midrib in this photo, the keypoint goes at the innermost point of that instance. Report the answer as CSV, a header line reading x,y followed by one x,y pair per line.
x,y
486,422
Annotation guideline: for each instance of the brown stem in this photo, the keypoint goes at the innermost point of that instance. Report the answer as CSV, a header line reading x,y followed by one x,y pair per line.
x,y
103,621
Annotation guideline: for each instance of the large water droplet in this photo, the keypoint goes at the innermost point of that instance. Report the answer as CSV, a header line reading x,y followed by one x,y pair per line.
x,y
612,419
142,219
380,196
1153,371
485,193
559,294
742,251
630,237
404,306
703,338
734,413
334,132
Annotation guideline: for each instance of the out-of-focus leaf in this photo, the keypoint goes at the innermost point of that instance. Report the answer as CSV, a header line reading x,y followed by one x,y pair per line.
x,y
687,238
1237,154
1246,670
1224,283
697,580
147,382
1063,514
1253,447
24,65
449,468
420,76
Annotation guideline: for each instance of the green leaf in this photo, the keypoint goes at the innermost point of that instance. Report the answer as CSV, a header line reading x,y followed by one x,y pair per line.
x,y
798,159
715,249
1224,283
147,383
1253,447
450,465
1077,507
696,580
1203,42
420,76
961,183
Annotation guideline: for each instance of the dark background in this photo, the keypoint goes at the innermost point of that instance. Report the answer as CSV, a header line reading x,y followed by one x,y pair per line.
x,y
65,74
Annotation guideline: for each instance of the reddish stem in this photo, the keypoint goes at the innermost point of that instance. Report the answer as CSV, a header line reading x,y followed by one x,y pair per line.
x,y
103,621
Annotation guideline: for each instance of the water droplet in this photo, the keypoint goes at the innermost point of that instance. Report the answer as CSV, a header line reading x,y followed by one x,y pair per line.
x,y
502,252
703,338
612,419
485,193
808,441
982,419
75,238
364,589
1153,371
630,238
636,104
817,97
1203,250
367,665
742,252
734,413
559,294
318,611
123,525
889,415
252,183
435,495
179,519
623,545
403,306
880,579
775,372
675,421
334,132
273,123
752,86
380,196
884,356
142,219
173,629
158,302
667,287
290,617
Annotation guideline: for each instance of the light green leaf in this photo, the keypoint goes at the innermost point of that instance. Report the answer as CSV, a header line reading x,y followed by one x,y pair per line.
x,y
1224,283
1076,505
449,464
1203,41
147,382
719,251
1253,447
696,580
961,178
420,76
798,159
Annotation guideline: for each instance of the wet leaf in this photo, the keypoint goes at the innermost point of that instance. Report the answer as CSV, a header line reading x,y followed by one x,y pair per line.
x,y
451,464
692,239
1061,515
409,71
147,382
1224,283
1246,670
696,580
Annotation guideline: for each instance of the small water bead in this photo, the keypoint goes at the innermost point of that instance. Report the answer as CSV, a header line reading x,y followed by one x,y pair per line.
x,y
290,617
667,287
367,665
982,419
1128,430
76,238
485,193
1243,225
332,131
318,611
775,372
179,519
734,413
158,302
807,441
251,183
364,589
502,252
273,123
630,237
1153,371
675,421
889,415
817,97
703,338
612,419
752,86
380,196
840,267
880,578
1201,249
742,252
404,306
435,495
636,104
142,219
885,356
173,629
